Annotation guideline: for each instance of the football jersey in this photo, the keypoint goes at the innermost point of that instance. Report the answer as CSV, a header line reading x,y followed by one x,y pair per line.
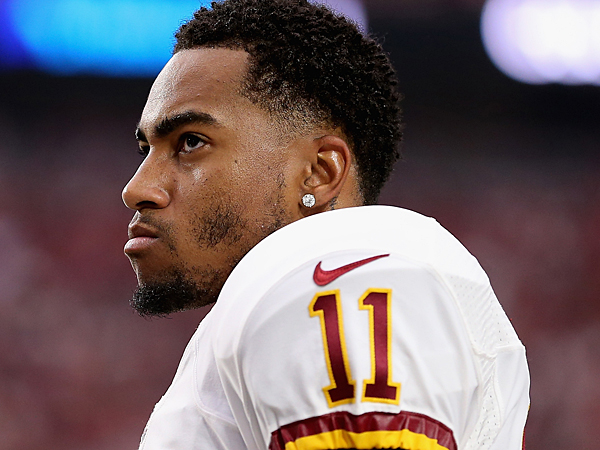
x,y
368,327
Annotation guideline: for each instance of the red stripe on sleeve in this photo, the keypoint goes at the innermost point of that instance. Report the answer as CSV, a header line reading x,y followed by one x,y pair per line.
x,y
373,421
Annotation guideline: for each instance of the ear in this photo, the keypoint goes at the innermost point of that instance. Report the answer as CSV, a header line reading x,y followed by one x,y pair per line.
x,y
328,172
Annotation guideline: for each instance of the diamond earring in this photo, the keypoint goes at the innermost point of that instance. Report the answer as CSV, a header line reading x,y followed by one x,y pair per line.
x,y
308,200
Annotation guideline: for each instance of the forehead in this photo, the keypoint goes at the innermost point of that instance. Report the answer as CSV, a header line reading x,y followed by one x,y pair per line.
x,y
205,80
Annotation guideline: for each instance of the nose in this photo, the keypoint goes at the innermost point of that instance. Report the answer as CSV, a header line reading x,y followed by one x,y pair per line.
x,y
149,186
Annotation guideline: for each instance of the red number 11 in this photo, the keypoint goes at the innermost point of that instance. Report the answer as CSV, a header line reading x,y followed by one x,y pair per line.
x,y
380,387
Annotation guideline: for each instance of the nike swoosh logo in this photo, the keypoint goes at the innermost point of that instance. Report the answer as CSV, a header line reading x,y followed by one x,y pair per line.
x,y
323,277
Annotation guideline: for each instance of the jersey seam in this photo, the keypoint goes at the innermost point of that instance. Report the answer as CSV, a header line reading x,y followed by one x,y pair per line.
x,y
447,288
479,351
197,401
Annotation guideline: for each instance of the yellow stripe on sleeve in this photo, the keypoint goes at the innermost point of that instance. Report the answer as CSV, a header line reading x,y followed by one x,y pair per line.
x,y
342,439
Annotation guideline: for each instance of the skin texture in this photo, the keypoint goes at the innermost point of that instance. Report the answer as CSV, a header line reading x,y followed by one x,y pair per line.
x,y
219,175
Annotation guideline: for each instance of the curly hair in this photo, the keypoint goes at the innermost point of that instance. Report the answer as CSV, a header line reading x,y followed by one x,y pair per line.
x,y
306,61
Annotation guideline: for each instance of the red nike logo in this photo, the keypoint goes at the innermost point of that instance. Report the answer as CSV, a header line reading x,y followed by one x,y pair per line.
x,y
323,277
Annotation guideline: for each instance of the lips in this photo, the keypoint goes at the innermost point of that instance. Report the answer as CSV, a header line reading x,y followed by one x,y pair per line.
x,y
137,230
141,237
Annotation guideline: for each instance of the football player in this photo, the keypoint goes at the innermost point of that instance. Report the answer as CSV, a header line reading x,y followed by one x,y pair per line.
x,y
337,324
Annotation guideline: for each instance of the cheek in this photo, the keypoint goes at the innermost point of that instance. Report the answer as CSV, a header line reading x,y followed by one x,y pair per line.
x,y
264,169
195,185
195,190
208,192
197,178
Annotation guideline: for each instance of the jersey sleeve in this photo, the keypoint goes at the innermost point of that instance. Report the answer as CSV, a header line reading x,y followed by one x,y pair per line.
x,y
377,356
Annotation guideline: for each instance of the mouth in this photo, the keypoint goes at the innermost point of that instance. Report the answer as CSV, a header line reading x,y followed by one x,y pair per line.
x,y
141,238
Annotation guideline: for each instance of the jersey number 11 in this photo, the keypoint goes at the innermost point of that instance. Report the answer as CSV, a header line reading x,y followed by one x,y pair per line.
x,y
379,388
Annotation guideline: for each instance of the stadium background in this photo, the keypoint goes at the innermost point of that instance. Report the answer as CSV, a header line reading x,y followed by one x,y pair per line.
x,y
513,170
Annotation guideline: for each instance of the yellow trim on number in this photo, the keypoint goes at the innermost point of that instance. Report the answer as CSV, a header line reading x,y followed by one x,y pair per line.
x,y
342,336
371,381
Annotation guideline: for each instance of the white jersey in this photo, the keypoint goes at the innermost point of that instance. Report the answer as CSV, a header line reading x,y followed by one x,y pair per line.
x,y
368,327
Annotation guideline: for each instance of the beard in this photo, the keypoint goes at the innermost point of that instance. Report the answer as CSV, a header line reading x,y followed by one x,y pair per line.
x,y
175,291
180,288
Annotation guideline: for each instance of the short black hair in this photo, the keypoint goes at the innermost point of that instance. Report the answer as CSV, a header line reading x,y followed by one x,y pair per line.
x,y
305,58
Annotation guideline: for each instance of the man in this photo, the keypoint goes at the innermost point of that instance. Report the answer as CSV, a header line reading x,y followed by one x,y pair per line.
x,y
336,325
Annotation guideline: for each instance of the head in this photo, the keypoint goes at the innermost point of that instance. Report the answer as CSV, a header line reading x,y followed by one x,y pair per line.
x,y
262,102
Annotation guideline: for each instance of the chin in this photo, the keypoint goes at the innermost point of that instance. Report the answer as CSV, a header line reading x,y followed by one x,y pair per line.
x,y
175,290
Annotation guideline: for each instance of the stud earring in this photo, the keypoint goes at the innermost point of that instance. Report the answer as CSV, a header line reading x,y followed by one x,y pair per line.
x,y
308,200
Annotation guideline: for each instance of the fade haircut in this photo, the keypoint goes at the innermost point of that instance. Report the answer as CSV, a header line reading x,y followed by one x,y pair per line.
x,y
311,66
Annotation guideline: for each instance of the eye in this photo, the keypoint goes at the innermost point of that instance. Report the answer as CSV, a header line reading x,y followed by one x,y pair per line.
x,y
191,142
144,150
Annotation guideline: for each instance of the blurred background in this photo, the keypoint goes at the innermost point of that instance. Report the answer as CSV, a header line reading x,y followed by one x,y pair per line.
x,y
502,105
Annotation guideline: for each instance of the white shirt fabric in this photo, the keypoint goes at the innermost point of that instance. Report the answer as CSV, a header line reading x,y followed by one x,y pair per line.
x,y
257,372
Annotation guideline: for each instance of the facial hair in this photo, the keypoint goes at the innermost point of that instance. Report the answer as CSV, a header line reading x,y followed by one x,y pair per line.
x,y
180,288
176,291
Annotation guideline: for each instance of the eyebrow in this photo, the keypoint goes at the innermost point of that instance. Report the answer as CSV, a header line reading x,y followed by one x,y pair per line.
x,y
169,124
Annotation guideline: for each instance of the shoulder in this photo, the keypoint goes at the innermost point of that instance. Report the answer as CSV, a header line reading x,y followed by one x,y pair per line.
x,y
383,229
317,310
275,311
349,235
373,228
